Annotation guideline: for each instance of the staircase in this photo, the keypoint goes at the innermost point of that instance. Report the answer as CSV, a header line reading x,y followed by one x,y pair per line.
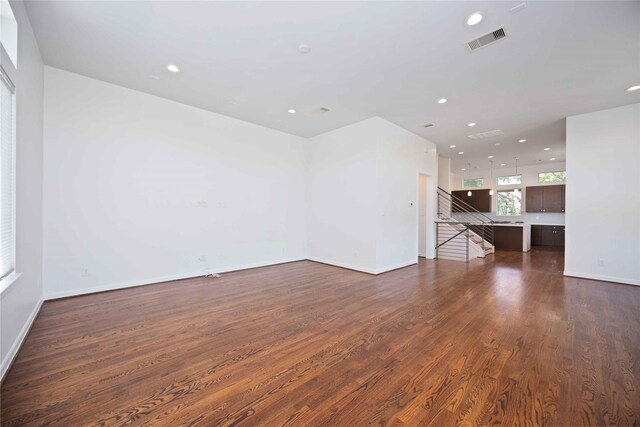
x,y
462,232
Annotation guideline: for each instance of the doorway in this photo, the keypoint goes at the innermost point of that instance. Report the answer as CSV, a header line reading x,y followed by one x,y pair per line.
x,y
422,215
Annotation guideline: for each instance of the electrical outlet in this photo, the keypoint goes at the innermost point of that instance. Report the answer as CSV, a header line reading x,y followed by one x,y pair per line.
x,y
600,262
202,258
84,272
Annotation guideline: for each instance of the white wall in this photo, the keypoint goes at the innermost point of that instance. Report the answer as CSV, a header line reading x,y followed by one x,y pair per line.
x,y
444,173
529,178
603,200
342,196
363,194
138,187
401,156
21,301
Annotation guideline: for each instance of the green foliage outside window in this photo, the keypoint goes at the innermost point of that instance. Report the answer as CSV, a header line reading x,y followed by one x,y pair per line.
x,y
560,176
509,203
474,183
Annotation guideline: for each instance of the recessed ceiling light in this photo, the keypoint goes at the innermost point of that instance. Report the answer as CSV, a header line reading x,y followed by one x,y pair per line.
x,y
463,169
489,157
471,124
474,19
442,100
497,144
304,48
452,146
291,111
547,149
632,88
503,164
522,140
460,152
553,158
173,68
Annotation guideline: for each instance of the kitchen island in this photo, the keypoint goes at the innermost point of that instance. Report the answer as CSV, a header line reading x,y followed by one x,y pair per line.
x,y
512,236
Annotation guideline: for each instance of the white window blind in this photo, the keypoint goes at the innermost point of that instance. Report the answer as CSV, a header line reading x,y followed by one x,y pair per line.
x,y
7,175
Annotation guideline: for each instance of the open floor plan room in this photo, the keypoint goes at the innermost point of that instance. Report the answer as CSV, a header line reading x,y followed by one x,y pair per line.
x,y
319,213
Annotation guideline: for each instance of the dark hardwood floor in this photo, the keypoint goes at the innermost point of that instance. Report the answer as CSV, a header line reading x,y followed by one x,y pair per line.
x,y
507,340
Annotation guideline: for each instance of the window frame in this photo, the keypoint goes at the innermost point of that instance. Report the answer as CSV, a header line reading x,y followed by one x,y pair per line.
x,y
481,179
509,183
552,172
12,275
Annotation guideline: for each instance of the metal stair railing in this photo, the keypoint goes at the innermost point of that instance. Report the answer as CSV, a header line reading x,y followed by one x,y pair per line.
x,y
452,210
453,247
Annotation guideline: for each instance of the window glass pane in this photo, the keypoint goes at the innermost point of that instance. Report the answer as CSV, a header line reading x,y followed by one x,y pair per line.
x,y
474,183
510,180
560,176
509,203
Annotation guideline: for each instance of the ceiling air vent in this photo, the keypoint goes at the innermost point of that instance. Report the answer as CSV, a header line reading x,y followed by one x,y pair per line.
x,y
485,135
428,125
487,39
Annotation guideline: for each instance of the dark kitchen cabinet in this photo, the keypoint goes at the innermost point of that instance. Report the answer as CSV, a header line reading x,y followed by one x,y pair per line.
x,y
547,235
479,200
534,199
507,238
545,198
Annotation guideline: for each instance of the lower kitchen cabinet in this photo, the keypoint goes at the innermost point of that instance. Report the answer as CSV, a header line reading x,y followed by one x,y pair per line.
x,y
547,235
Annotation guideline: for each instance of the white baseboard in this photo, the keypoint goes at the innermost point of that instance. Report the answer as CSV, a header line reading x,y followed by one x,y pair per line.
x,y
343,265
396,266
15,347
622,280
160,279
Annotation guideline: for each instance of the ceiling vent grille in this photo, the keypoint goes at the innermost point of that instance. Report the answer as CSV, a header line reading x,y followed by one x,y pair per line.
x,y
485,135
487,39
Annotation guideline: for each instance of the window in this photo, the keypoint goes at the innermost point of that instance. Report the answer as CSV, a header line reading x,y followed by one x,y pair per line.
x,y
474,183
7,178
510,180
509,203
560,176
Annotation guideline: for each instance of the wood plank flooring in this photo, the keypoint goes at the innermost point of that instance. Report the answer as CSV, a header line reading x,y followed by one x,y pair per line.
x,y
507,341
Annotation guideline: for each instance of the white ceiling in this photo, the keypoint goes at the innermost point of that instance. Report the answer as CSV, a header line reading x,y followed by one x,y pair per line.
x,y
390,59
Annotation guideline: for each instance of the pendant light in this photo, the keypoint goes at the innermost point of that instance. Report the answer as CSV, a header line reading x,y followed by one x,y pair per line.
x,y
491,188
469,193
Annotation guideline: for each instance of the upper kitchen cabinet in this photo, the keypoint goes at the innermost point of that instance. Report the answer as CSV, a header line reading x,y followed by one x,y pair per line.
x,y
545,198
479,200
